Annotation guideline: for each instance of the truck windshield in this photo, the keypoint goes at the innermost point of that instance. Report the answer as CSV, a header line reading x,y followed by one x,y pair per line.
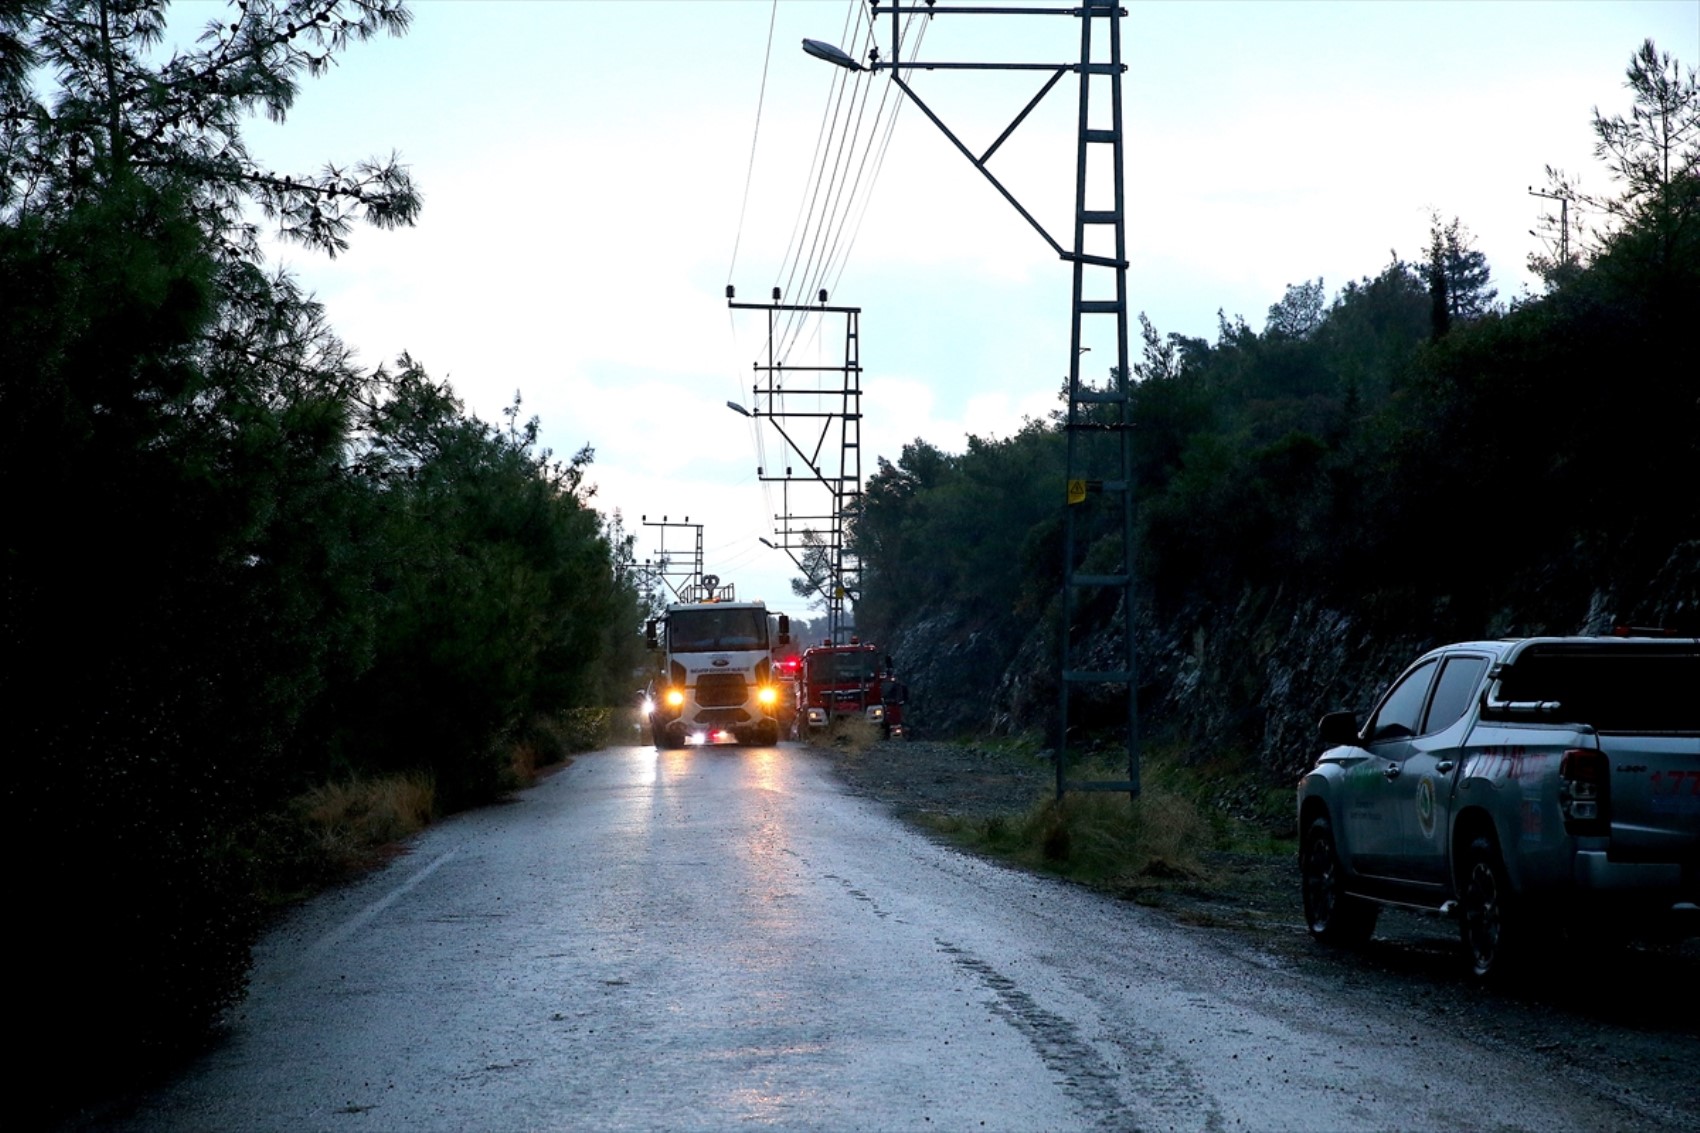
x,y
843,668
702,631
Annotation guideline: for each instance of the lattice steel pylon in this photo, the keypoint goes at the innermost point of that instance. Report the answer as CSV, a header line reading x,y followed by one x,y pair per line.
x,y
1099,489
817,412
665,567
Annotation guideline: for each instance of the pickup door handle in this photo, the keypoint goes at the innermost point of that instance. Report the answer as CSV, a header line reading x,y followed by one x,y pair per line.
x,y
1393,770
1443,766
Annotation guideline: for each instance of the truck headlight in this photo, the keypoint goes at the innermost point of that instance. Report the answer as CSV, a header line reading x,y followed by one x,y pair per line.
x,y
675,698
876,713
767,695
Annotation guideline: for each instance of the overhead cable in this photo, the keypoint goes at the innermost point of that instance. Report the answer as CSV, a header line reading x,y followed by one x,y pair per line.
x,y
761,97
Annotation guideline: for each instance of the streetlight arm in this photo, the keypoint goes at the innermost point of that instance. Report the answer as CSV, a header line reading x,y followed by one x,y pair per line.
x,y
978,164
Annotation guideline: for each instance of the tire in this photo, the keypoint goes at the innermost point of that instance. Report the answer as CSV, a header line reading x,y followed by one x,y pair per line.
x,y
1491,931
767,735
1333,916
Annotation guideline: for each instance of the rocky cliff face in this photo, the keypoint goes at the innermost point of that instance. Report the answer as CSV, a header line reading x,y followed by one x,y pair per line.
x,y
1247,681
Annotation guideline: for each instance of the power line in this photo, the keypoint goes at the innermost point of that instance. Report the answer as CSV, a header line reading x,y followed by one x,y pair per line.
x,y
761,97
879,162
843,204
821,134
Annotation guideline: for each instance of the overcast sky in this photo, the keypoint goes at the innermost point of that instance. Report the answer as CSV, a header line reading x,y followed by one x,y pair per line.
x,y
584,166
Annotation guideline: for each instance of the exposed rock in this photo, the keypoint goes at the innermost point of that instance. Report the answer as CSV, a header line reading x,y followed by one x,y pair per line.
x,y
1248,681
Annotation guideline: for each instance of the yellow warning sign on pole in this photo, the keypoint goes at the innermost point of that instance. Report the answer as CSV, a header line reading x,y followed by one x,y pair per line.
x,y
1077,491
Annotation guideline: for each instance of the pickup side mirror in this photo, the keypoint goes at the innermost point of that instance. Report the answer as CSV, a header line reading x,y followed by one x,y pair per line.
x,y
784,629
1338,728
649,636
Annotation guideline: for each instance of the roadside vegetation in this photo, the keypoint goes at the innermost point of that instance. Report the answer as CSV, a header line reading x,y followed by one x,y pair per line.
x,y
996,797
1167,837
265,609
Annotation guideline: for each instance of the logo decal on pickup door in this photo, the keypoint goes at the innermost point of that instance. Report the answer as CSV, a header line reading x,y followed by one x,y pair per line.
x,y
1425,805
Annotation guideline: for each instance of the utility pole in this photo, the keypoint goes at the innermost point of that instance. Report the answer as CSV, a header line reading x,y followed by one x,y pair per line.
x,y
817,411
1563,199
665,569
1098,496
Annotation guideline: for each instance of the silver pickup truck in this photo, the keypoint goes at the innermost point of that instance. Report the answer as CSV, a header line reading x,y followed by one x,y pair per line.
x,y
1520,785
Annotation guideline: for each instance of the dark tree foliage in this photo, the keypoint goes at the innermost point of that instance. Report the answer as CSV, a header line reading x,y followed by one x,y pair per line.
x,y
1458,278
1299,313
235,565
117,114
493,596
942,530
1653,160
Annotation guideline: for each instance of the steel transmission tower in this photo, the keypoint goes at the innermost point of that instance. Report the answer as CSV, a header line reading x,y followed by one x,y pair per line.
x,y
817,412
1099,507
665,567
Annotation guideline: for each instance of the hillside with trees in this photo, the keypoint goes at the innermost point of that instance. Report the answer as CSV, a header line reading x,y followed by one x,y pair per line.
x,y
239,568
1413,461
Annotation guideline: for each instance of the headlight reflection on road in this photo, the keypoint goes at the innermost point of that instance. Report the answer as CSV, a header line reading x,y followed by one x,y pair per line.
x,y
766,763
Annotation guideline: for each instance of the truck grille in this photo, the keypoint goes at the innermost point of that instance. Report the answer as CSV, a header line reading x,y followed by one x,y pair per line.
x,y
721,690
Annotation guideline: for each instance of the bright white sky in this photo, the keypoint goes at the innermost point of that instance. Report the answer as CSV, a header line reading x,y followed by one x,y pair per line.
x,y
583,164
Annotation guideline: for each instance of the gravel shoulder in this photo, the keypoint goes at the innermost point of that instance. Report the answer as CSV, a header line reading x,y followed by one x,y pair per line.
x,y
1623,1020
1250,892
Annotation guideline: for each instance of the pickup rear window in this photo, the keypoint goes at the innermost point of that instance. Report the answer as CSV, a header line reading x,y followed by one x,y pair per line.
x,y
1614,691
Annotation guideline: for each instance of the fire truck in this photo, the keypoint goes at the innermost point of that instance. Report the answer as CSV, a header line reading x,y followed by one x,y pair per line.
x,y
835,682
715,680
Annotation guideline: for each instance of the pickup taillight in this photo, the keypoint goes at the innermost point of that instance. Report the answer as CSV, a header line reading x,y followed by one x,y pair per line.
x,y
1584,779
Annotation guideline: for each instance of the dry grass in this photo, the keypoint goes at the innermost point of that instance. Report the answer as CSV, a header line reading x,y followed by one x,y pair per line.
x,y
345,825
547,741
852,734
337,830
1100,839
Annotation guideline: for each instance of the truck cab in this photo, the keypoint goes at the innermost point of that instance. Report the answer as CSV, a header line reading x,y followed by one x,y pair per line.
x,y
835,682
714,681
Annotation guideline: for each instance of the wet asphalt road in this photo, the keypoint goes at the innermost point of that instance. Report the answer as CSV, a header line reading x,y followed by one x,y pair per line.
x,y
722,939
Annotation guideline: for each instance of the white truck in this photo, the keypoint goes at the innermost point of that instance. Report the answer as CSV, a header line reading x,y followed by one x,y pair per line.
x,y
715,680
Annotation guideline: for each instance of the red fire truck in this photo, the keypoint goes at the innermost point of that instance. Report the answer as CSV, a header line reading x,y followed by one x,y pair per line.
x,y
834,682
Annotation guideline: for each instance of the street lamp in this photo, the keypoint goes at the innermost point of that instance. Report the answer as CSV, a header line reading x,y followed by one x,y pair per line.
x,y
739,409
767,543
836,56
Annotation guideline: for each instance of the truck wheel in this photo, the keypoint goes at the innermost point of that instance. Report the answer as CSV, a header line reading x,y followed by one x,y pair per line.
x,y
1492,934
658,734
768,734
1333,916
